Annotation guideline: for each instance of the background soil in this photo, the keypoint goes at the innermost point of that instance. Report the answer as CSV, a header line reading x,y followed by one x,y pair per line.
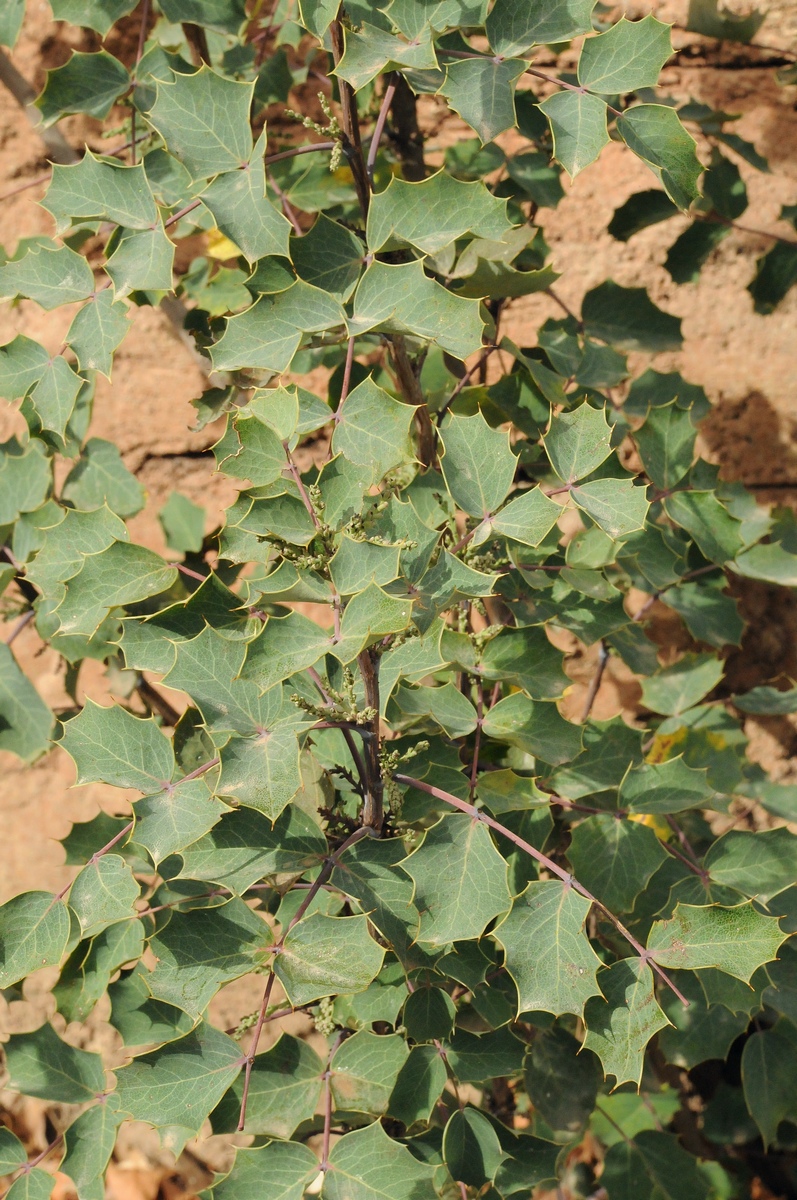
x,y
747,364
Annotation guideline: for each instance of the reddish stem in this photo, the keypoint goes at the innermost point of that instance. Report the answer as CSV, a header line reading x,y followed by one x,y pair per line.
x,y
549,865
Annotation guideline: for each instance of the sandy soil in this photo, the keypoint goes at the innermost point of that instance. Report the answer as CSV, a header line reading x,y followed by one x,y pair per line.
x,y
746,363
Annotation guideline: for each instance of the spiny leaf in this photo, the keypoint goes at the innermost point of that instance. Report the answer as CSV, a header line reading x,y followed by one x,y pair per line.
x,y
325,955
478,464
578,125
547,952
204,120
284,1091
86,83
460,880
402,299
620,1027
514,26
95,189
627,57
245,847
40,1064
103,892
284,1169
364,1070
430,214
735,940
110,745
578,442
179,1084
482,91
656,135
34,931
48,274
367,1163
614,858
373,429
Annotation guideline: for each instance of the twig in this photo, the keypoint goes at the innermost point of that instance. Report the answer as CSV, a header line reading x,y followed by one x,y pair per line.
x,y
24,620
344,387
352,145
286,207
184,570
323,875
142,35
595,682
297,150
464,381
376,137
297,479
373,810
549,864
344,728
96,857
474,769
156,702
646,607
327,1078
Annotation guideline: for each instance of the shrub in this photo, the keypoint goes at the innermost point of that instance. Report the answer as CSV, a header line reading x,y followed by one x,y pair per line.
x,y
512,928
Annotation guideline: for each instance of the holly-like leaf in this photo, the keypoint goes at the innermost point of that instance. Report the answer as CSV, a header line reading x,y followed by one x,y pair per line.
x,y
460,880
667,787
367,1163
616,506
286,645
535,727
627,57
204,120
735,940
103,892
89,1143
268,334
92,14
367,873
514,26
403,299
769,1059
327,955
419,1085
100,477
547,951
527,518
482,91
245,847
701,1031
284,1091
22,363
628,319
97,330
110,745
11,22
179,1084
471,1149
478,464
34,931
49,274
431,214
578,441
86,83
199,951
364,1070
578,125
141,1020
40,1064
620,1027
97,190
282,1170
141,261
329,256
615,859
244,214
373,429
370,49
88,969
675,689
758,864
32,1185
26,722
655,134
